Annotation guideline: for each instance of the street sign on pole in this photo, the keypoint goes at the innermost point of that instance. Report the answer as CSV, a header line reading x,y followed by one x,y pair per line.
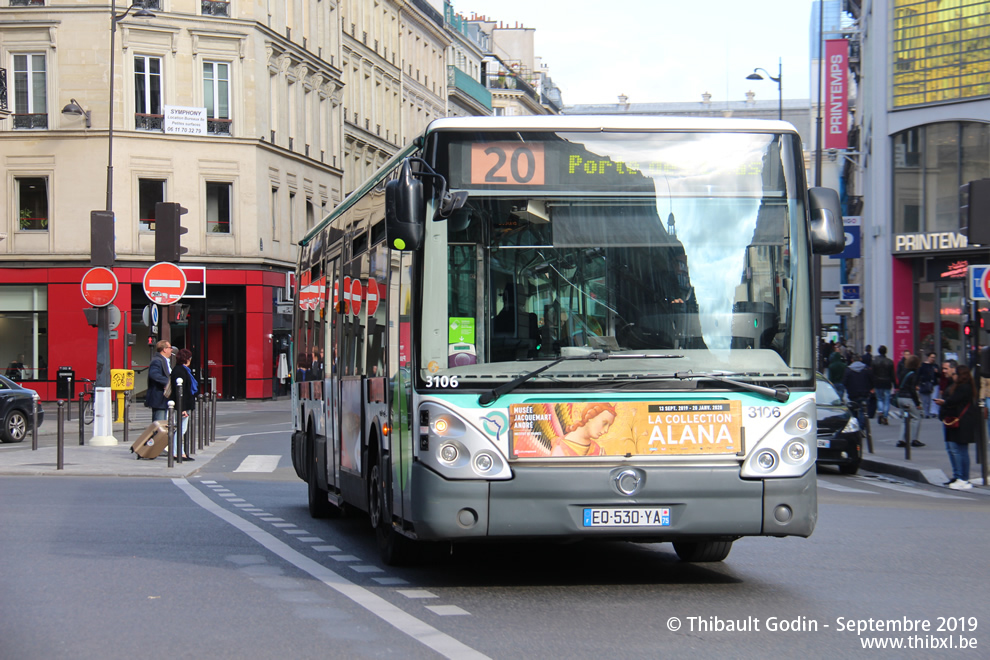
x,y
164,283
849,292
99,286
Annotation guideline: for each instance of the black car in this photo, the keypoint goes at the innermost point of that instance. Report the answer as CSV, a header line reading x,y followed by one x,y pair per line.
x,y
840,437
15,410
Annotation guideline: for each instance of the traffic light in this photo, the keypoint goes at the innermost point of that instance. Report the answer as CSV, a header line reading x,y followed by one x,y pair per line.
x,y
168,230
974,210
101,239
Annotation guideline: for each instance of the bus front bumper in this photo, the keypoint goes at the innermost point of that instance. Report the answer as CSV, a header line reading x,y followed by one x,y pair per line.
x,y
550,501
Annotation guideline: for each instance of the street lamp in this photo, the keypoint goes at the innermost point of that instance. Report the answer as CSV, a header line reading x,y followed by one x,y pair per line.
x,y
73,108
102,424
778,80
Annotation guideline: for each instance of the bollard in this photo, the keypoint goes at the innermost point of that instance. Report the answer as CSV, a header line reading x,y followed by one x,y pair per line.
x,y
34,423
60,439
170,424
82,423
127,412
199,422
213,417
204,400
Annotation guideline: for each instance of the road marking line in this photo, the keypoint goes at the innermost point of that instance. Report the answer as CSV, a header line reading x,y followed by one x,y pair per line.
x,y
243,506
914,491
326,548
367,569
311,539
274,519
282,525
417,593
447,610
295,531
259,463
345,558
842,489
389,580
418,629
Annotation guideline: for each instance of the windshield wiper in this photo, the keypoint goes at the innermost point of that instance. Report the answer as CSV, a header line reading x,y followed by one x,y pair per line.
x,y
780,393
489,397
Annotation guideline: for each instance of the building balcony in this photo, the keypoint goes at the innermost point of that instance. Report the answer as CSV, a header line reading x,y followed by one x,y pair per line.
x,y
3,92
34,120
465,84
214,8
511,82
218,126
143,122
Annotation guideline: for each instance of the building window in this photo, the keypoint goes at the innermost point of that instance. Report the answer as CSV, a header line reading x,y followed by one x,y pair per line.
x,y
275,214
216,97
24,332
30,91
150,192
218,207
215,8
27,3
148,4
148,93
32,203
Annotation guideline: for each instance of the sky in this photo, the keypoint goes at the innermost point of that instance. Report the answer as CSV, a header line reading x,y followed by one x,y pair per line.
x,y
657,51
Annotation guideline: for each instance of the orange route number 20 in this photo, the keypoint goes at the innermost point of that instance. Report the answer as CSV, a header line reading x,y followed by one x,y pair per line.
x,y
507,163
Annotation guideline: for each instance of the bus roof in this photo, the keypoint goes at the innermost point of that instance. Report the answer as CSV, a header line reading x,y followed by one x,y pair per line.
x,y
611,122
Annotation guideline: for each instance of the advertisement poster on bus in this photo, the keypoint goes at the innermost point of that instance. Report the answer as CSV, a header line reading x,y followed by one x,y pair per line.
x,y
603,428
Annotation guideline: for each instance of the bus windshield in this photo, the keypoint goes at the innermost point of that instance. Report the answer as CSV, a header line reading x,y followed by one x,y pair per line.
x,y
690,246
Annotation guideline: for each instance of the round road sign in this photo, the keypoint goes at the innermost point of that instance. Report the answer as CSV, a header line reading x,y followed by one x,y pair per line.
x,y
357,291
371,295
164,283
99,286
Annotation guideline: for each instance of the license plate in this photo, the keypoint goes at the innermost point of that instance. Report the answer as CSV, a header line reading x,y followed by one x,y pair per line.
x,y
825,444
637,517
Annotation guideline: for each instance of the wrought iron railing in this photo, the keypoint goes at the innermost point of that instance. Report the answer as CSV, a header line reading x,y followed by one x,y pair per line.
x,y
215,8
218,126
3,90
31,120
144,122
147,4
27,3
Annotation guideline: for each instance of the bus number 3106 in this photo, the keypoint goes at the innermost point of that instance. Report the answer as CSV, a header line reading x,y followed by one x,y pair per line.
x,y
441,381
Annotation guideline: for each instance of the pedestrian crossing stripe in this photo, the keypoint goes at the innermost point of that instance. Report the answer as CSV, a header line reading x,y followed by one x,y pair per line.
x,y
259,463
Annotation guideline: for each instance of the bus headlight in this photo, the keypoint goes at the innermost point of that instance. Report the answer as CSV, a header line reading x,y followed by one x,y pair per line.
x,y
766,459
448,453
789,448
455,448
795,451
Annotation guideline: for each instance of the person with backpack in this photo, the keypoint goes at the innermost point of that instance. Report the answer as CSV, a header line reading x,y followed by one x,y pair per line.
x,y
883,383
908,401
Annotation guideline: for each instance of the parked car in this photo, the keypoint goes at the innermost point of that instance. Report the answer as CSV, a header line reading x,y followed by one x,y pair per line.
x,y
15,410
840,437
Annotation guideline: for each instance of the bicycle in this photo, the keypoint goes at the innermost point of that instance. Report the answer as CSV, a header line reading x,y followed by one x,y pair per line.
x,y
86,400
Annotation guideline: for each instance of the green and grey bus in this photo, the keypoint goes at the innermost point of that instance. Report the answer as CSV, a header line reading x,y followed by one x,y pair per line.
x,y
567,328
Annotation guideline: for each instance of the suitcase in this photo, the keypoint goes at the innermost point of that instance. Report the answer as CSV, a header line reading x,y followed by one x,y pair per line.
x,y
152,442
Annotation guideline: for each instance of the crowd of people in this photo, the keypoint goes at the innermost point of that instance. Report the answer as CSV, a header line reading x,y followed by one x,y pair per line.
x,y
920,390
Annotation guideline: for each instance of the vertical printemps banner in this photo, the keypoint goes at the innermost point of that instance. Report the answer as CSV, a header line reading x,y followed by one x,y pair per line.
x,y
837,93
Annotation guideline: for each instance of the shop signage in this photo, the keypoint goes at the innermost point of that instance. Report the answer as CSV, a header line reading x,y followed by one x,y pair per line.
x,y
849,292
933,241
184,121
836,108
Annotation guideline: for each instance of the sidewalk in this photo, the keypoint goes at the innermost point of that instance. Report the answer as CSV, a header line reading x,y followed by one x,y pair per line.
x,y
119,461
928,464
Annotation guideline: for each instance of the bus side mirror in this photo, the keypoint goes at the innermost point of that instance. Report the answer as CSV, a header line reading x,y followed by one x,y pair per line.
x,y
405,211
827,233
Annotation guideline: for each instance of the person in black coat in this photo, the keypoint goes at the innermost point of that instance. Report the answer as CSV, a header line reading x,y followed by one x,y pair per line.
x,y
187,402
908,401
960,415
158,376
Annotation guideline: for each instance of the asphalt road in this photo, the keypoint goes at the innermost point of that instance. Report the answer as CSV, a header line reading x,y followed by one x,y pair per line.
x,y
228,563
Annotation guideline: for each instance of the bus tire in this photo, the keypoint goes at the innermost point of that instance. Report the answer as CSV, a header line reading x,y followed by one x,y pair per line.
x,y
319,499
703,551
394,548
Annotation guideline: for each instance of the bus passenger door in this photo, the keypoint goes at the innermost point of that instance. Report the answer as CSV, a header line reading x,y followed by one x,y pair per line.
x,y
332,374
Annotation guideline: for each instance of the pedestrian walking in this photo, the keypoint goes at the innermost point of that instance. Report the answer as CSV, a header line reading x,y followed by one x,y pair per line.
x,y
908,401
836,371
858,383
868,356
959,412
188,401
927,377
883,383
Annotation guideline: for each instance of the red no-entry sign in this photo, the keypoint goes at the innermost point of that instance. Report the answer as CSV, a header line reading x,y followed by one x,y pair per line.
x,y
99,286
371,295
164,283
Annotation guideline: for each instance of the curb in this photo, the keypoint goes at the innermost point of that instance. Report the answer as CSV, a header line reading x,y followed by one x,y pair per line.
x,y
932,476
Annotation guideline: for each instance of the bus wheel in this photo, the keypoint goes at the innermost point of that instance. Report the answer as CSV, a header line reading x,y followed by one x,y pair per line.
x,y
319,501
395,549
703,550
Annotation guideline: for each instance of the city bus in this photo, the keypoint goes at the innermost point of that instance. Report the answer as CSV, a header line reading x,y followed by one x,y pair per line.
x,y
565,328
